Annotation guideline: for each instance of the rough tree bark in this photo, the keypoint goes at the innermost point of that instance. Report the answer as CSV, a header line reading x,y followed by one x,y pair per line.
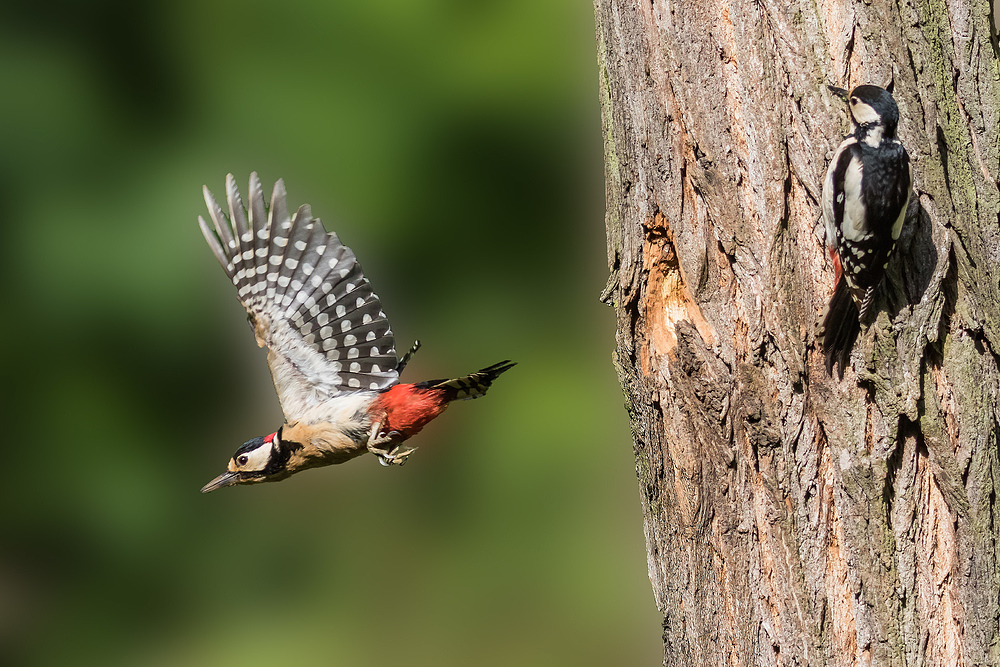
x,y
791,517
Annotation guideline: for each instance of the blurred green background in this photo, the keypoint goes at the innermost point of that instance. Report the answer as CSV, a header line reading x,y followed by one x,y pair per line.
x,y
456,147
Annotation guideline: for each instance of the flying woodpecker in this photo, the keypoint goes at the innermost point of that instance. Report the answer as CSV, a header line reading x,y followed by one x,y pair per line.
x,y
329,346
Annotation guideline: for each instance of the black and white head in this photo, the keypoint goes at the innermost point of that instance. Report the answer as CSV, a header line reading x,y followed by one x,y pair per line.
x,y
873,111
262,459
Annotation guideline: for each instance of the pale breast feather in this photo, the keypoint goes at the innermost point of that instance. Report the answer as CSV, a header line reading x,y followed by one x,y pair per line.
x,y
313,307
832,209
854,225
842,194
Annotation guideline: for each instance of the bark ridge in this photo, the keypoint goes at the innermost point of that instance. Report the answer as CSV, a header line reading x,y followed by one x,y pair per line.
x,y
791,517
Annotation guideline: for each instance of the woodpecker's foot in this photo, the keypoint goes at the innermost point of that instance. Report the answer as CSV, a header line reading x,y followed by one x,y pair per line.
x,y
387,448
395,457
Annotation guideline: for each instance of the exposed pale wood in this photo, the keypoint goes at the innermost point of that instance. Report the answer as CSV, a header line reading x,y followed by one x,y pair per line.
x,y
790,517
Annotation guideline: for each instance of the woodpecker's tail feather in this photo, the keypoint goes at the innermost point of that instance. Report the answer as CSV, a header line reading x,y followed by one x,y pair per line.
x,y
866,302
841,327
405,359
470,386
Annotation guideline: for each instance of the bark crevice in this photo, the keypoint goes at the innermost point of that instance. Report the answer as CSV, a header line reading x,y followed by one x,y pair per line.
x,y
791,517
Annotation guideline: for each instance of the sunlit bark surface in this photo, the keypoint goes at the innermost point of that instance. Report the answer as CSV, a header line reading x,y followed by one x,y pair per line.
x,y
791,517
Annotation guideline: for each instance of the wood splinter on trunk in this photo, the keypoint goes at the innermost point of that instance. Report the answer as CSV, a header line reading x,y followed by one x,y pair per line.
x,y
668,299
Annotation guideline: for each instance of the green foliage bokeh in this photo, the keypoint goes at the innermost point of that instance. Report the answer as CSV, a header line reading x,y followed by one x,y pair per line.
x,y
455,146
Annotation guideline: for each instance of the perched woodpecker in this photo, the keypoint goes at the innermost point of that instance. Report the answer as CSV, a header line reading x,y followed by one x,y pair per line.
x,y
329,346
865,195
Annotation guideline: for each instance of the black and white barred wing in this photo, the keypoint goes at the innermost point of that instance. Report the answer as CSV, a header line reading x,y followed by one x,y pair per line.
x,y
307,299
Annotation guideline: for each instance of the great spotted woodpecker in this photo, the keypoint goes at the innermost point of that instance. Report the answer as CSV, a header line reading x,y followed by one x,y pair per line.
x,y
329,346
865,195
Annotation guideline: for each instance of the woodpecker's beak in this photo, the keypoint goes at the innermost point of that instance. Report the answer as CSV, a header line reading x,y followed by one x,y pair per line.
x,y
840,92
225,479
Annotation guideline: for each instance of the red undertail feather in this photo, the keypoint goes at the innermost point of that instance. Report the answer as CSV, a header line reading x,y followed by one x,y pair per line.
x,y
407,408
837,270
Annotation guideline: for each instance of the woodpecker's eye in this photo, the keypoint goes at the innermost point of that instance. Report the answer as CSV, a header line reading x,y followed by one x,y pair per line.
x,y
854,101
242,459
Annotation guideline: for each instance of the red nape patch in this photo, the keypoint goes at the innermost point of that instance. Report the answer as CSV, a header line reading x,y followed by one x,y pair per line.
x,y
270,438
407,409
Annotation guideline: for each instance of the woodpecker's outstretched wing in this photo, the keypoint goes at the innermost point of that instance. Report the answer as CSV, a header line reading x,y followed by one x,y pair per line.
x,y
306,297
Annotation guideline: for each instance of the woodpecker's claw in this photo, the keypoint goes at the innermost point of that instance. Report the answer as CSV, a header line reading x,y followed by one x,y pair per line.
x,y
397,456
379,444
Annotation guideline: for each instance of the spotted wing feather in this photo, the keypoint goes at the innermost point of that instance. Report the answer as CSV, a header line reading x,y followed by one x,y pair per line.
x,y
307,298
338,313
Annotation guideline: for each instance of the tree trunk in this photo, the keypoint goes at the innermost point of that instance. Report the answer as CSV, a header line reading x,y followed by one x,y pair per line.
x,y
792,517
